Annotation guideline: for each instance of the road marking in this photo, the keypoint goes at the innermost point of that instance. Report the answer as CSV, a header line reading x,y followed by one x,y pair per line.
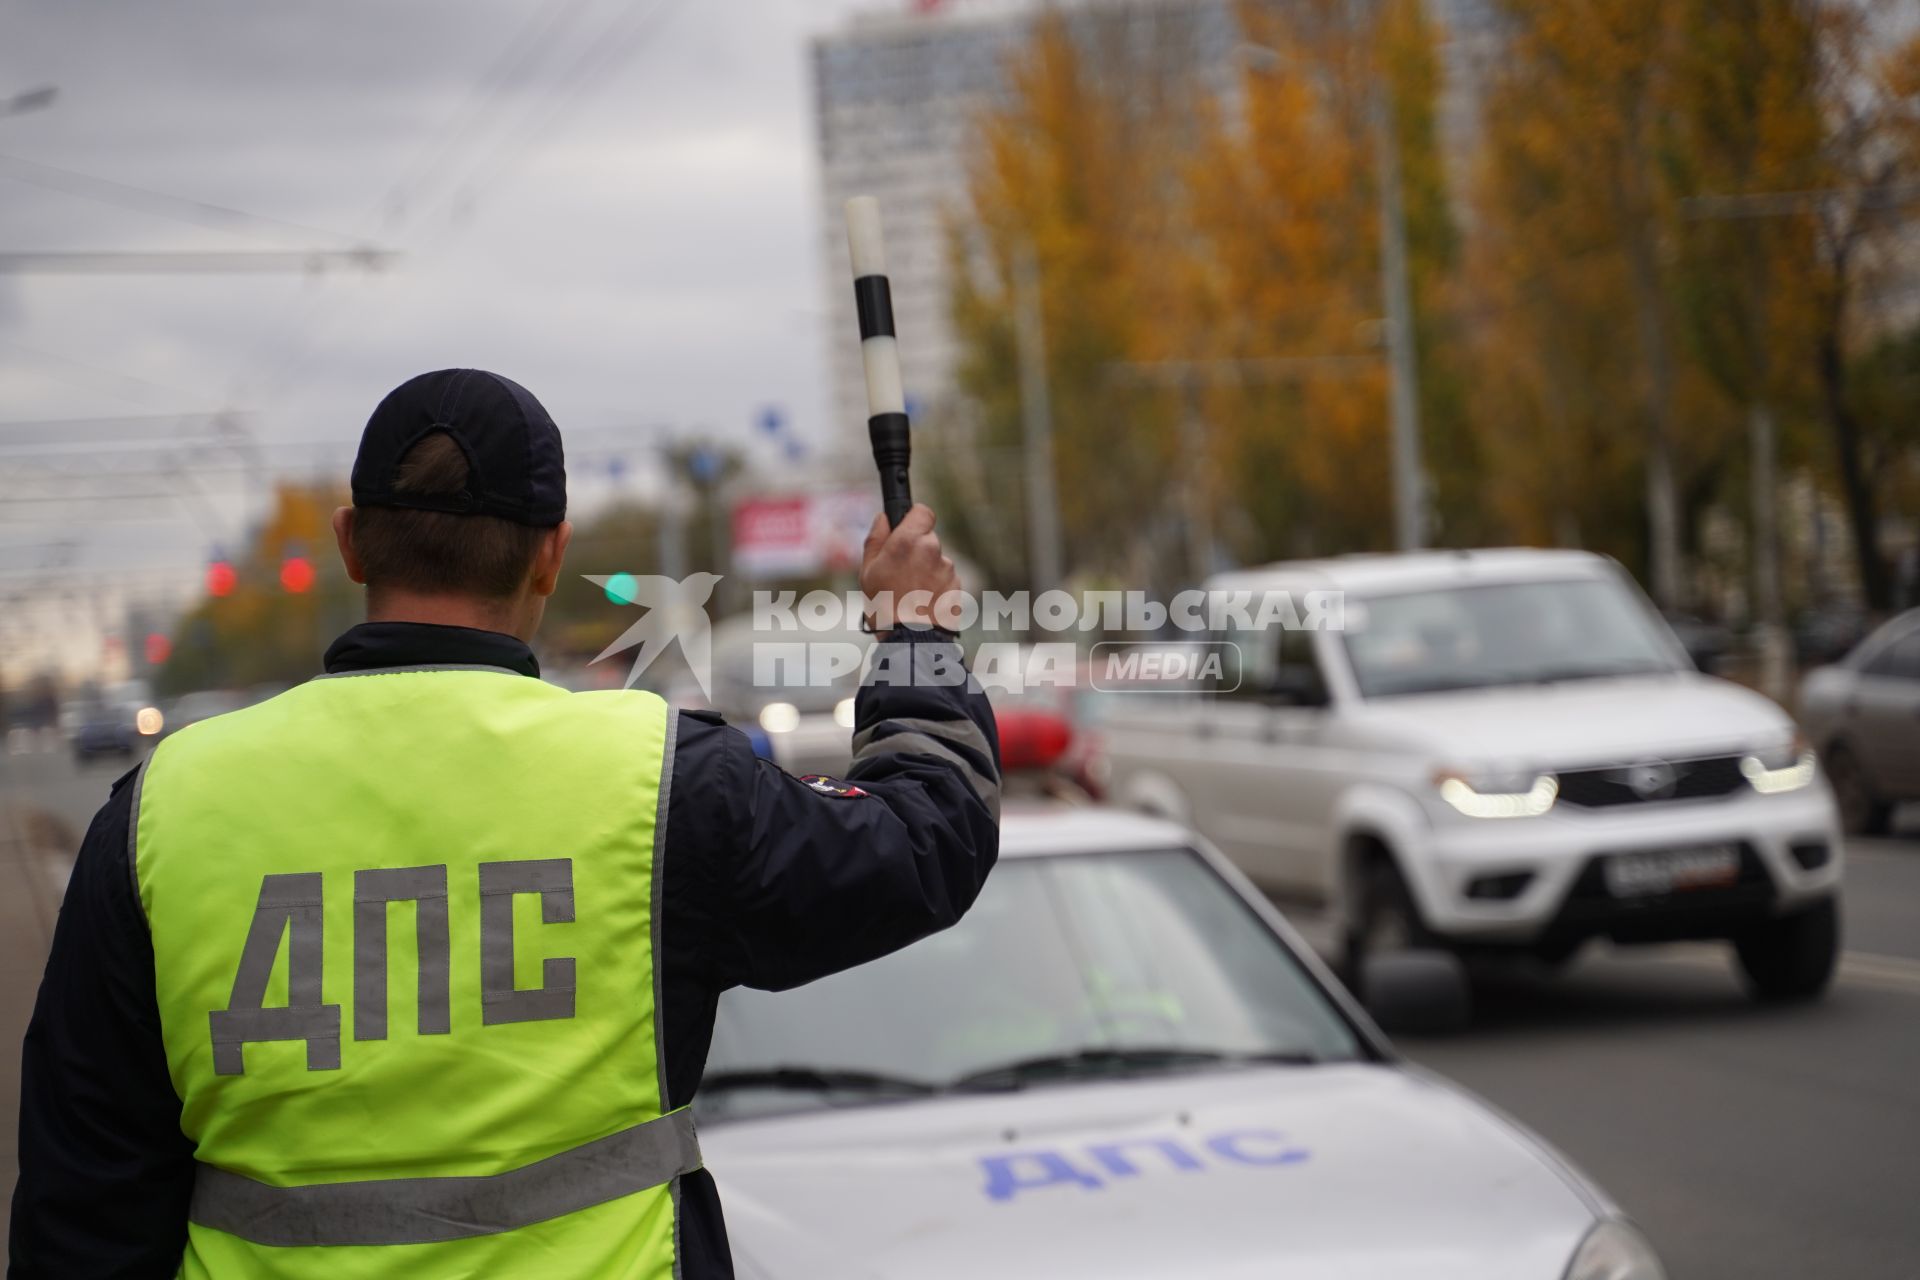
x,y
1896,972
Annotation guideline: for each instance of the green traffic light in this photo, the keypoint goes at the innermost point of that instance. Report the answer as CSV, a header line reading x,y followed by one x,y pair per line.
x,y
620,588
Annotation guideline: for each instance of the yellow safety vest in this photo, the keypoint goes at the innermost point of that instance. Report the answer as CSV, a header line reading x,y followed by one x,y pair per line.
x,y
404,926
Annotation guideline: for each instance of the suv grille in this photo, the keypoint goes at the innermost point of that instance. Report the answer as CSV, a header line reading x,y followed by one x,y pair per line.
x,y
1653,782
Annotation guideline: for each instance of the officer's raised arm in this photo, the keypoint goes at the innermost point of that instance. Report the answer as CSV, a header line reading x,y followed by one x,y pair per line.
x,y
829,873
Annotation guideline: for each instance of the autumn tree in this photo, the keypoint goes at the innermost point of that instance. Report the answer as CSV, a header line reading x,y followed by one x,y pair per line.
x,y
1074,171
1284,271
1717,180
1580,370
1746,119
1284,264
261,632
1870,96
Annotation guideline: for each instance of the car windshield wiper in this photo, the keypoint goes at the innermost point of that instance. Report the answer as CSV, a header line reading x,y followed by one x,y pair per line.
x,y
1599,671
1455,684
1097,1062
814,1080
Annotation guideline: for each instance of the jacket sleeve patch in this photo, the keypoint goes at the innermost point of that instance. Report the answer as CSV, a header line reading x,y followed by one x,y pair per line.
x,y
831,786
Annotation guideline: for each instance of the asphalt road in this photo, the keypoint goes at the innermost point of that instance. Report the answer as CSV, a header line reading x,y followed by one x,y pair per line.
x,y
1746,1141
1749,1142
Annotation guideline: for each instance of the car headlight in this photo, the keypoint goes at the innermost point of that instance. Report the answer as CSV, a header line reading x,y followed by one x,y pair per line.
x,y
1787,767
779,717
843,713
149,721
1614,1251
1517,797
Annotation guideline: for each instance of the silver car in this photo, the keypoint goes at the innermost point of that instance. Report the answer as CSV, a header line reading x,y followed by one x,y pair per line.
x,y
1122,1063
1863,714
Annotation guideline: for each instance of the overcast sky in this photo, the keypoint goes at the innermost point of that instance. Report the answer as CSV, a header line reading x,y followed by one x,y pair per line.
x,y
611,201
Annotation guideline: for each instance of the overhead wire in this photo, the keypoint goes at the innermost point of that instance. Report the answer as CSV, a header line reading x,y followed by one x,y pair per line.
x,y
400,205
159,204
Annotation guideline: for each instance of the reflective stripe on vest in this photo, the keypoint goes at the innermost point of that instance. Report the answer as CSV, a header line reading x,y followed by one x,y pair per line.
x,y
425,1210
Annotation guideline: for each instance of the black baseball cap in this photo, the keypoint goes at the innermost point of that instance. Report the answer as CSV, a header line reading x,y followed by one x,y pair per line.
x,y
516,469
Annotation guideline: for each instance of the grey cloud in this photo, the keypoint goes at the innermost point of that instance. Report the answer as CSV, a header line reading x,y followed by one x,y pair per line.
x,y
653,256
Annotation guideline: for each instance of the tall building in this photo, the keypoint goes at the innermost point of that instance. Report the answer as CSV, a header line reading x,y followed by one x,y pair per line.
x,y
896,96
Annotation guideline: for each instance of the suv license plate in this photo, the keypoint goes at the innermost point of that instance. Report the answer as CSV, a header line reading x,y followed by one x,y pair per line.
x,y
1641,875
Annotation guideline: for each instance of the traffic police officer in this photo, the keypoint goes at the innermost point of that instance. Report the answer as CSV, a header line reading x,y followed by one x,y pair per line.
x,y
411,970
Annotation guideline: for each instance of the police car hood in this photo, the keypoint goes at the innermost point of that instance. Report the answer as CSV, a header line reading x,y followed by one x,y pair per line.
x,y
1315,1173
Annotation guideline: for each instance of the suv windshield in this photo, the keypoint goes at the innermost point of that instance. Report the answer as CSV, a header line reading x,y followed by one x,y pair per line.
x,y
1508,633
1077,967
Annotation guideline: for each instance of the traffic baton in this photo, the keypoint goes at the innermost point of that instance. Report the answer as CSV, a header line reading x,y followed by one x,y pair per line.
x,y
887,426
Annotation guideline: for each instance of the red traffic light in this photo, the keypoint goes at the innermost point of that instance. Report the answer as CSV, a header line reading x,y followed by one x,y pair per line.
x,y
221,578
296,574
158,649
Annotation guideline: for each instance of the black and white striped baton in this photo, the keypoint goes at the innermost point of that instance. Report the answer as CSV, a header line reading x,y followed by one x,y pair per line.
x,y
886,398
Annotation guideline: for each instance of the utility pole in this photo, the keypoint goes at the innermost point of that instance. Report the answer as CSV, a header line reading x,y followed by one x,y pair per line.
x,y
1776,653
1193,439
1409,479
1036,412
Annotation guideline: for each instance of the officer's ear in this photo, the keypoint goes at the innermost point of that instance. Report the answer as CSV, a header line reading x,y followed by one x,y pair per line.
x,y
548,559
343,535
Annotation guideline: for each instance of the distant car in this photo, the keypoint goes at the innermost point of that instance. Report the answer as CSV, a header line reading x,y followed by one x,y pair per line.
x,y
1048,735
1826,633
785,692
1503,752
1121,1064
192,708
1706,641
1051,722
261,692
97,729
1863,714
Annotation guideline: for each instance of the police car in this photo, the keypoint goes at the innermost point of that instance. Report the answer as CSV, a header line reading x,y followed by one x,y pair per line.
x,y
1122,1063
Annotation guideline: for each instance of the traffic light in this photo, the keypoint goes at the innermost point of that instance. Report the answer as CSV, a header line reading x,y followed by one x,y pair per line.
x,y
221,579
158,648
296,574
620,588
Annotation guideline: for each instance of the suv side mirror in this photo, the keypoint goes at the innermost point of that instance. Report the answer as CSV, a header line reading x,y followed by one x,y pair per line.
x,y
1417,992
1297,686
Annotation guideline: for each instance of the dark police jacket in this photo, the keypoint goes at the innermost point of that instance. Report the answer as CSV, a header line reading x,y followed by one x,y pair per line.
x,y
769,882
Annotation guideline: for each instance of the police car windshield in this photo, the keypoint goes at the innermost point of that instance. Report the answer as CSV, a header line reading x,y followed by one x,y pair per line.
x,y
1087,966
1508,633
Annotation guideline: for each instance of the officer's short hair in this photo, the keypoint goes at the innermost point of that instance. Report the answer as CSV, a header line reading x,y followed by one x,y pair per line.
x,y
441,552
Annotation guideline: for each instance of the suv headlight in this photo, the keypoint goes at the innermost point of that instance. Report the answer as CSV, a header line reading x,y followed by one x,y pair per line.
x,y
1511,797
1614,1251
1786,767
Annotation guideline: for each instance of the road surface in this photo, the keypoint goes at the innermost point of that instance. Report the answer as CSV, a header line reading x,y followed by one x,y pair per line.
x,y
1749,1142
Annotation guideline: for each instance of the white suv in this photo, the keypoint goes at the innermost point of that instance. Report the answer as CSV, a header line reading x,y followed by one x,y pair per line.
x,y
1499,751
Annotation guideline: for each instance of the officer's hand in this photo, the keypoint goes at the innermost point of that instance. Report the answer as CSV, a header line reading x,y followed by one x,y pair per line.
x,y
905,576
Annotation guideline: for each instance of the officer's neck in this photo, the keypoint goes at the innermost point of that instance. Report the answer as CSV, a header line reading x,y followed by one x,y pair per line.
x,y
517,616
